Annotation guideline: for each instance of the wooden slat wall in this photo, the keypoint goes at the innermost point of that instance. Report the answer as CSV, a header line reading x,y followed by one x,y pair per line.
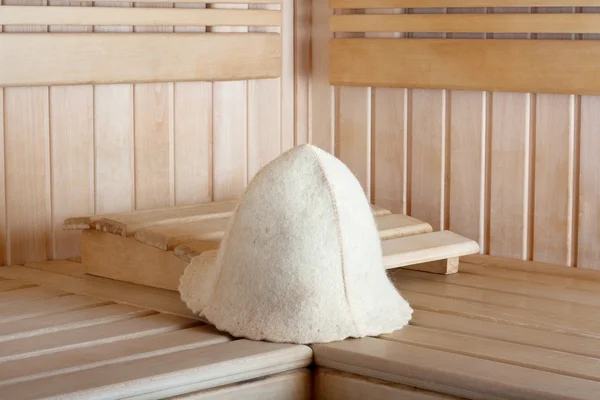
x,y
516,172
74,150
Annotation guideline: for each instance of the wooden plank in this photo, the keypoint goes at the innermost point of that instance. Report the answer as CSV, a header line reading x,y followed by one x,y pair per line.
x,y
165,301
35,308
379,211
15,15
410,250
512,286
302,69
4,248
88,336
12,284
506,332
495,350
167,237
466,64
126,224
437,370
533,267
230,128
89,317
114,139
336,385
465,22
287,81
171,374
31,293
400,225
231,57
64,267
458,3
190,250
588,252
76,360
193,134
207,1
294,385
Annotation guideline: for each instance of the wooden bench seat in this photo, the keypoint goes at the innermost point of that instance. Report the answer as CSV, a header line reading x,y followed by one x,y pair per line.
x,y
497,329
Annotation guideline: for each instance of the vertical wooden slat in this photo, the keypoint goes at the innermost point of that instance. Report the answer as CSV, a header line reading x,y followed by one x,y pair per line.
x,y
3,215
154,181
27,159
388,142
287,81
509,176
265,110
428,148
72,154
467,140
193,135
114,138
554,133
321,98
588,232
302,69
230,131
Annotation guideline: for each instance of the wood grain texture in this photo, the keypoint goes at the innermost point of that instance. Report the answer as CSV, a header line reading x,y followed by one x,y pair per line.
x,y
287,80
466,64
246,56
458,3
468,22
38,308
4,255
588,252
302,69
30,293
15,15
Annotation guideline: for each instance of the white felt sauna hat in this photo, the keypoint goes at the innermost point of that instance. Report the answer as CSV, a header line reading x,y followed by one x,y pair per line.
x,y
301,260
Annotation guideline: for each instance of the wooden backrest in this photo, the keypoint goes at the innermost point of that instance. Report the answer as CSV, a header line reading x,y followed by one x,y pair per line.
x,y
44,58
481,48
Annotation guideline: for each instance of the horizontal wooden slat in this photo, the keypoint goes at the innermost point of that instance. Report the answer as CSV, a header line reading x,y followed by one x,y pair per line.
x,y
68,361
399,225
88,58
68,320
449,373
34,308
28,15
170,374
12,284
203,1
31,293
474,23
496,350
86,336
424,248
459,3
543,66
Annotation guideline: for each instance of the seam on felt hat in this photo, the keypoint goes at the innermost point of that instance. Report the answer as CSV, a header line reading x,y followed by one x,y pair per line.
x,y
336,212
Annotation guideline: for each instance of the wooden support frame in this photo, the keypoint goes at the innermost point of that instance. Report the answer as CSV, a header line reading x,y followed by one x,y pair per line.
x,y
459,3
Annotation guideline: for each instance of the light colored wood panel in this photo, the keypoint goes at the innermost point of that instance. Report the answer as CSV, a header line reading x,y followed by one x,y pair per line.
x,y
75,360
509,174
287,81
506,332
64,267
230,131
15,15
428,126
190,250
231,57
458,3
35,308
294,385
89,317
72,166
494,350
265,112
207,1
302,69
588,252
31,293
88,336
12,284
160,300
195,369
399,225
27,173
321,114
467,164
4,255
114,139
167,237
552,218
379,211
410,250
527,65
533,267
465,22
126,224
437,370
389,143
336,385
128,260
